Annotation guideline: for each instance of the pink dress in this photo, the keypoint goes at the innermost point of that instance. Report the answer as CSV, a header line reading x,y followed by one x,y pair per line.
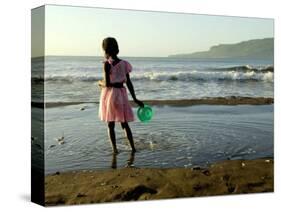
x,y
114,103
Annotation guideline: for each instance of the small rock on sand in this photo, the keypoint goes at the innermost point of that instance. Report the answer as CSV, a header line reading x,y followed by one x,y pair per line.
x,y
196,168
81,195
206,172
61,142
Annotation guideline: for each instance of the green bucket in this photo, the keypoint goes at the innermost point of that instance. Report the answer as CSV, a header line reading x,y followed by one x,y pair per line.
x,y
145,113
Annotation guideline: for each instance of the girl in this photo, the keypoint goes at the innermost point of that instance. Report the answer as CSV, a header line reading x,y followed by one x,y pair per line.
x,y
114,103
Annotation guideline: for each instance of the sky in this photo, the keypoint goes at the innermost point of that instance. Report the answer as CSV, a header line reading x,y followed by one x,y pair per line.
x,y
80,31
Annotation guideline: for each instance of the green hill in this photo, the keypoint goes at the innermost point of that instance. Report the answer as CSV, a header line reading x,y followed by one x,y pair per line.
x,y
255,49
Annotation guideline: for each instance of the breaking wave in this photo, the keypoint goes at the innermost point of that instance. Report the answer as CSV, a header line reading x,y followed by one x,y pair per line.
x,y
238,73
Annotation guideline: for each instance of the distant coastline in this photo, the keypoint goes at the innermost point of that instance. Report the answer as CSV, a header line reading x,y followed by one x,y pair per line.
x,y
251,49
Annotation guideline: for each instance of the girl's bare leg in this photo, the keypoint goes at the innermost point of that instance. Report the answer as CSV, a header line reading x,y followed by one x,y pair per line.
x,y
114,161
129,135
130,161
111,134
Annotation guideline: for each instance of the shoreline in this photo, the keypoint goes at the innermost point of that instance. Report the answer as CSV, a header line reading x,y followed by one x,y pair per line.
x,y
232,100
129,184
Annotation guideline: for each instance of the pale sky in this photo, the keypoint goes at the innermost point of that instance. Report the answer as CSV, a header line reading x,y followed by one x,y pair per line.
x,y
80,31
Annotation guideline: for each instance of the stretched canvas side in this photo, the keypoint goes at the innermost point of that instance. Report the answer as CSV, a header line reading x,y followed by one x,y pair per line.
x,y
37,99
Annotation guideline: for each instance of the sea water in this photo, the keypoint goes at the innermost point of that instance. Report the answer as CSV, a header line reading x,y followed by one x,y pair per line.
x,y
177,136
74,79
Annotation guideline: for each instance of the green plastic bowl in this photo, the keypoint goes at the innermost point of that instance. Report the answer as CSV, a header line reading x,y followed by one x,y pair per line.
x,y
145,113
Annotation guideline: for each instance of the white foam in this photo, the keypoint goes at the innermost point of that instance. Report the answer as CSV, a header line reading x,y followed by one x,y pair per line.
x,y
206,75
192,75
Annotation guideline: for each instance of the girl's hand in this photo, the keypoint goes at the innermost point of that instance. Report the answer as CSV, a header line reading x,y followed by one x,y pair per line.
x,y
101,83
140,103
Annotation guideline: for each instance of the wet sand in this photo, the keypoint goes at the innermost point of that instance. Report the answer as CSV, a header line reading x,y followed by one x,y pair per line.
x,y
127,184
232,100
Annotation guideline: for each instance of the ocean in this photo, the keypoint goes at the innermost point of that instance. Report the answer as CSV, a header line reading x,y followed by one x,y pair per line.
x,y
177,136
74,79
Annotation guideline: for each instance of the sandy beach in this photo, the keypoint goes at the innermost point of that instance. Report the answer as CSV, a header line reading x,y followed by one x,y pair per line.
x,y
127,184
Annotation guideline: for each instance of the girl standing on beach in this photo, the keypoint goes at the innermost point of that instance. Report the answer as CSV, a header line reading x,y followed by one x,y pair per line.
x,y
114,104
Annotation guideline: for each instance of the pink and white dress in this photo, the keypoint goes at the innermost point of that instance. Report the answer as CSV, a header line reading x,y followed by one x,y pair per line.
x,y
114,103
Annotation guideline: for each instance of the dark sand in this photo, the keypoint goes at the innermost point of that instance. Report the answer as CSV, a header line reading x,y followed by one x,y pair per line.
x,y
126,184
232,100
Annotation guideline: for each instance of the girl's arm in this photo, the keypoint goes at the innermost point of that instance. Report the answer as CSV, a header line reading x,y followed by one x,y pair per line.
x,y
132,91
106,79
